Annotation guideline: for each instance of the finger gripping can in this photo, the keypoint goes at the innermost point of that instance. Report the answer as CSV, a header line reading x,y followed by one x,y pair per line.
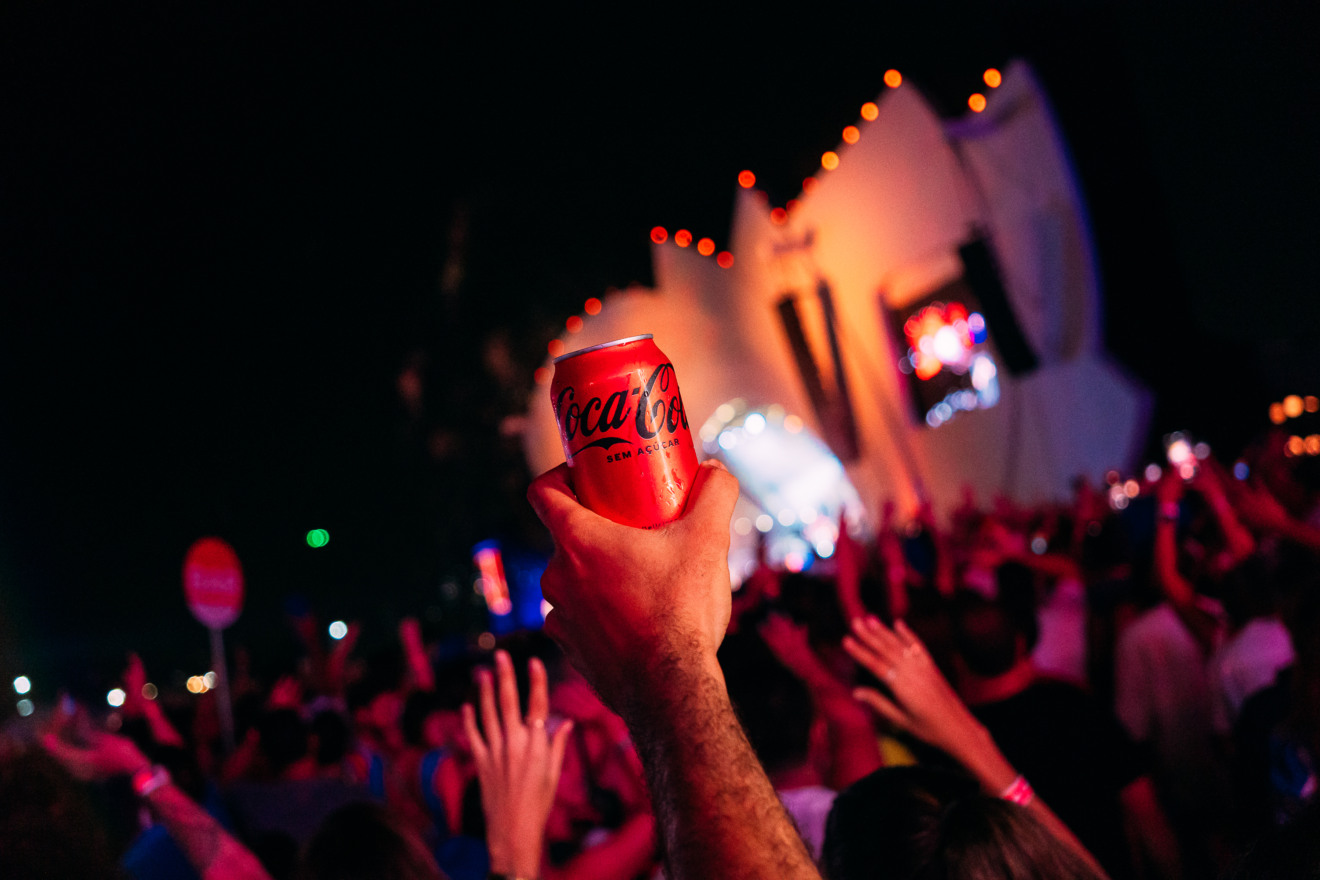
x,y
624,430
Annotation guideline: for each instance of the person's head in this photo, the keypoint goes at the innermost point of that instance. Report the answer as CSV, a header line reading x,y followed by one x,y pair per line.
x,y
991,636
364,841
284,738
773,705
918,823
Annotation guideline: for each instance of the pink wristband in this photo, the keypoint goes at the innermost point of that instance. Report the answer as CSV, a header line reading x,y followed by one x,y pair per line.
x,y
150,778
1019,791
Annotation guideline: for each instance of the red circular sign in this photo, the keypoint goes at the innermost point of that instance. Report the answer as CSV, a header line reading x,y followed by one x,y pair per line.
x,y
213,583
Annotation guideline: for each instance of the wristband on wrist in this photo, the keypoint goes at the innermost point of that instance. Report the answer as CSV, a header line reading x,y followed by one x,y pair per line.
x,y
1019,791
149,779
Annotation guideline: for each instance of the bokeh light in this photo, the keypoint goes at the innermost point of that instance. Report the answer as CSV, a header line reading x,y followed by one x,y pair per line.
x,y
542,375
26,708
150,691
1293,406
893,78
779,216
976,102
851,135
682,238
1277,415
556,347
210,680
829,160
706,247
318,538
115,697
724,259
573,324
658,234
22,684
993,78
746,179
808,184
486,641
338,630
592,306
870,110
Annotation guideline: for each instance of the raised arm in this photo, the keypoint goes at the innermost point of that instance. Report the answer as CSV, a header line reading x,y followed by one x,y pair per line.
x,y
1179,591
923,704
641,614
212,852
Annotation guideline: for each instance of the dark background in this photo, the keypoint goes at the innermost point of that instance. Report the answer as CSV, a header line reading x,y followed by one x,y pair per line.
x,y
228,229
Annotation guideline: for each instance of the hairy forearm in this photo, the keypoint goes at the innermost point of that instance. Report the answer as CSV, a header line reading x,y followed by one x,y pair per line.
x,y
208,847
716,811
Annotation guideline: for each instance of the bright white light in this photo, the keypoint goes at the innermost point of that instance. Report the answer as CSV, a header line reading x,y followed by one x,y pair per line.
x,y
742,525
25,708
808,516
724,412
210,679
824,548
1153,473
728,440
546,608
338,630
754,423
948,347
709,432
1180,451
22,684
933,419
115,697
1039,545
764,523
787,517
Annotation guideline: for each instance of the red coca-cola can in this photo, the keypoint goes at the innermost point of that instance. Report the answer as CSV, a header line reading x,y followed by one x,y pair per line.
x,y
624,430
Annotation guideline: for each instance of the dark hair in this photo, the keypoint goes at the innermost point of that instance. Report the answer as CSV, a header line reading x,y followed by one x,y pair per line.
x,y
364,841
284,737
773,705
985,634
919,823
333,736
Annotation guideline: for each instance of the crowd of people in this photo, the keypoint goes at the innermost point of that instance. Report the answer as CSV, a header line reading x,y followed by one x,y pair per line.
x,y
1063,690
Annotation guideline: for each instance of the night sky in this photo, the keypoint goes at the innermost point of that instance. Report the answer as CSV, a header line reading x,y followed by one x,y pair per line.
x,y
227,229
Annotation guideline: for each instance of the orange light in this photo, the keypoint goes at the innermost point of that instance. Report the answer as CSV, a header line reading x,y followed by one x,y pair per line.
x,y
829,160
1277,415
574,324
779,216
682,238
993,78
705,247
746,179
1293,406
851,135
870,110
808,184
1313,444
976,102
1312,403
725,259
1296,445
556,347
658,234
542,375
592,306
790,205
893,78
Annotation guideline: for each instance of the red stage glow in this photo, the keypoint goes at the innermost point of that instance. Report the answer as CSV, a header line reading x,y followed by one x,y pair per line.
x,y
778,216
725,259
592,306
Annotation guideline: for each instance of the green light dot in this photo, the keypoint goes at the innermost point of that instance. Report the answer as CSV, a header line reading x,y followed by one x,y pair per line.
x,y
318,538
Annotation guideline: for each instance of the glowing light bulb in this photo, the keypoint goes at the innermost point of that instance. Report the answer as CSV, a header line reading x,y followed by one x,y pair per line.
x,y
706,247
754,423
870,111
682,238
829,160
851,135
976,102
893,78
22,684
746,179
1293,406
993,78
338,630
658,234
115,697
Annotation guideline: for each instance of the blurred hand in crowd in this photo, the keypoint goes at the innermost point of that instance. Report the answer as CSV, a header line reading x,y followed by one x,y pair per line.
x,y
518,764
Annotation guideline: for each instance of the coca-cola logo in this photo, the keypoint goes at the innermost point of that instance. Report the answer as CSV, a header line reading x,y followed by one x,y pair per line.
x,y
651,410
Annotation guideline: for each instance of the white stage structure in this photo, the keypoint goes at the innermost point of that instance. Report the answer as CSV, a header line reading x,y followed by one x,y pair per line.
x,y
884,228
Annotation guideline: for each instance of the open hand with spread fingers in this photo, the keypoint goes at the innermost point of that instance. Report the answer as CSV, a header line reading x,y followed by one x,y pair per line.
x,y
518,764
922,702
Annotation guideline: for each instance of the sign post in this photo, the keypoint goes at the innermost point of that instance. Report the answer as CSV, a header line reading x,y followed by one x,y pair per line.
x,y
213,589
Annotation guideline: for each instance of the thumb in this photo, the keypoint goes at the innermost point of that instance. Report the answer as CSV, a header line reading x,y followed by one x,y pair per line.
x,y
714,494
